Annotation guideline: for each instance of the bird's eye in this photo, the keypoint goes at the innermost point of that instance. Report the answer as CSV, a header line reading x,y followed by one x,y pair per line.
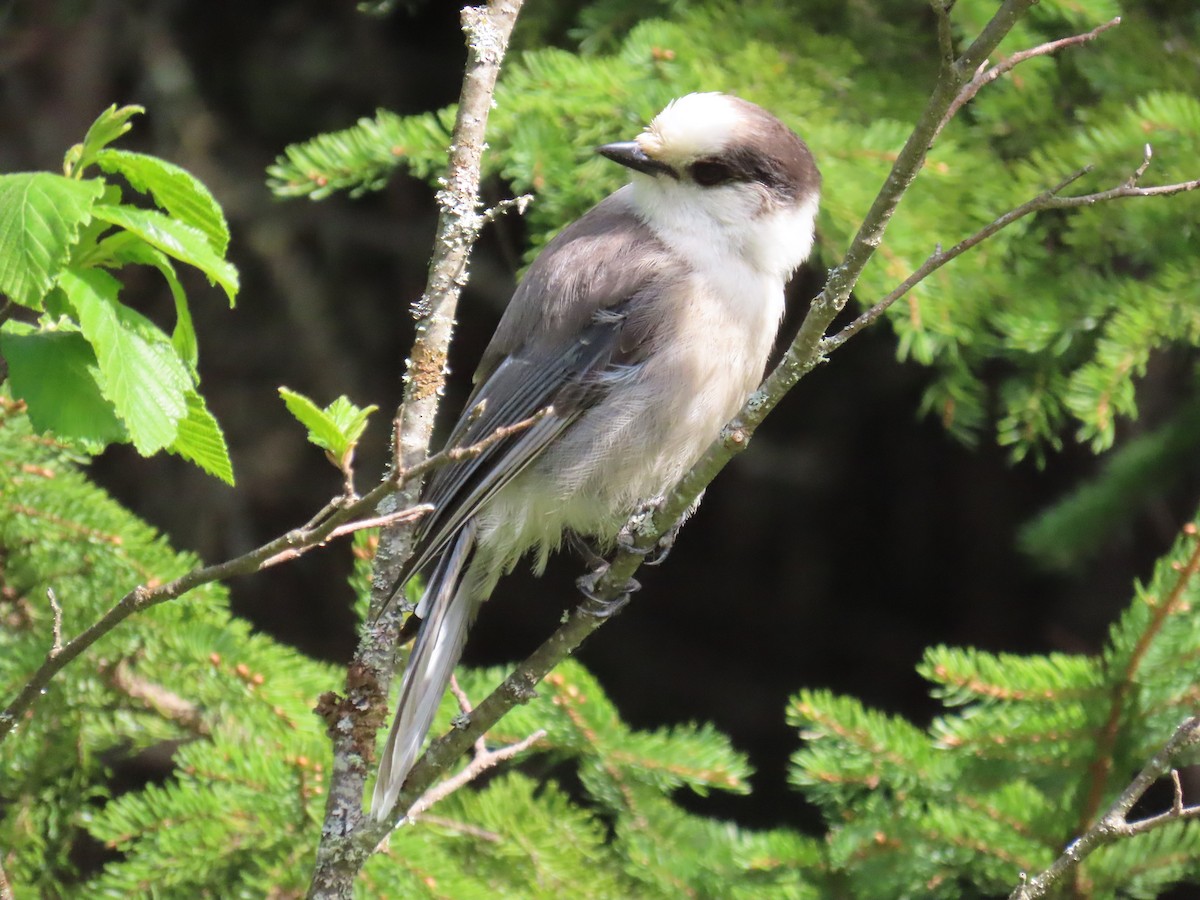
x,y
709,173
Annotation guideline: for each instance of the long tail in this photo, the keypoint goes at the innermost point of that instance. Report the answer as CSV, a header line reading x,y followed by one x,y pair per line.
x,y
446,612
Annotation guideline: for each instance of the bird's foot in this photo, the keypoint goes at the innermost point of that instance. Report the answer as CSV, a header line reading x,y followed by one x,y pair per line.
x,y
601,607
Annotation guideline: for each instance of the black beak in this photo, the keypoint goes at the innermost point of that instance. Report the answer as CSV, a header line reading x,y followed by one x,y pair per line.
x,y
630,155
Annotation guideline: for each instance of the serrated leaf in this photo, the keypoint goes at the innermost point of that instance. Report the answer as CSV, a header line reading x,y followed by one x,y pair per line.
x,y
139,370
125,247
323,430
177,240
54,372
41,215
351,420
174,189
109,125
201,441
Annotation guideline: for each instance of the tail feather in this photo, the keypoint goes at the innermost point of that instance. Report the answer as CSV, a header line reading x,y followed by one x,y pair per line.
x,y
446,612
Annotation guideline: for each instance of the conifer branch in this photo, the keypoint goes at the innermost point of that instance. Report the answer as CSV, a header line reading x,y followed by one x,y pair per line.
x,y
805,353
1047,200
340,516
1102,766
1115,825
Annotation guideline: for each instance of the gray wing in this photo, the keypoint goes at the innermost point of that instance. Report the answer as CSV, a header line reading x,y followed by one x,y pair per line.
x,y
578,315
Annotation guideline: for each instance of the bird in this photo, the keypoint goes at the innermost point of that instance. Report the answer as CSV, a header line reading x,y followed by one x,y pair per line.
x,y
635,335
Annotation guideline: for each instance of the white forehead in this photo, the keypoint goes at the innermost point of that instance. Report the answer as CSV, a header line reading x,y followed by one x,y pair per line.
x,y
692,126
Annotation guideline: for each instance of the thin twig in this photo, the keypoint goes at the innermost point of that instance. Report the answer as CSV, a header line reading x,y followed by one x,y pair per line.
x,y
56,610
1048,199
985,76
402,517
479,764
143,597
520,204
457,454
399,517
1114,824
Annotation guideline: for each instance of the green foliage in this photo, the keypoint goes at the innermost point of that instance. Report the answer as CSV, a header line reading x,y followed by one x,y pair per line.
x,y
91,369
1071,305
1038,336
1030,748
240,815
1072,531
335,429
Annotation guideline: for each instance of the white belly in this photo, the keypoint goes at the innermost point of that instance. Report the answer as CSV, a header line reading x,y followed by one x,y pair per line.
x,y
651,428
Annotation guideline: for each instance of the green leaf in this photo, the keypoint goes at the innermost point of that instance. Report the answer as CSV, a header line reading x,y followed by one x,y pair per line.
x,y
183,242
41,215
350,419
336,428
201,441
125,247
109,125
140,372
174,189
54,372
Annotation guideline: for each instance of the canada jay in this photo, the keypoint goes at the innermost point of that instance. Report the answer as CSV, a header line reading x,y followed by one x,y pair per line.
x,y
644,325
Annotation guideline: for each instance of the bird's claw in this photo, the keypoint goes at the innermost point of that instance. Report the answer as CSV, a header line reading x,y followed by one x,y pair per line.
x,y
600,607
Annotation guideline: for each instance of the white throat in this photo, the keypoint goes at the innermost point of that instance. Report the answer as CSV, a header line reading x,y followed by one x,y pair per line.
x,y
730,226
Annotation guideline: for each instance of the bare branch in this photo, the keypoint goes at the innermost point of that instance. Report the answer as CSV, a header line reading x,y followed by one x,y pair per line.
x,y
163,702
6,892
56,642
1049,199
985,76
347,839
520,204
143,597
1114,825
479,764
457,454
400,517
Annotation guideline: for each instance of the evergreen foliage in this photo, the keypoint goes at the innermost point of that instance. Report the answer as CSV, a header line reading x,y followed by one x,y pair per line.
x,y
1028,753
1039,333
240,815
1072,304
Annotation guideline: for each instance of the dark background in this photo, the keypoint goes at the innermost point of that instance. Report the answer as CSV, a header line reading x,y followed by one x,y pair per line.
x,y
851,535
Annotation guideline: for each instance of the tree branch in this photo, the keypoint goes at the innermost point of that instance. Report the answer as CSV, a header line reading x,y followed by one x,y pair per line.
x,y
1049,199
1114,824
985,76
805,352
5,888
143,597
347,840
341,515
1110,732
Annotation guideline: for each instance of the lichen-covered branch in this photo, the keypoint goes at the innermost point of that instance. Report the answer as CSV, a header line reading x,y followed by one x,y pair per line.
x,y
346,839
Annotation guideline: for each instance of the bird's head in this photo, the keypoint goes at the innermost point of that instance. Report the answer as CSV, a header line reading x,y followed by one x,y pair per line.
x,y
714,164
